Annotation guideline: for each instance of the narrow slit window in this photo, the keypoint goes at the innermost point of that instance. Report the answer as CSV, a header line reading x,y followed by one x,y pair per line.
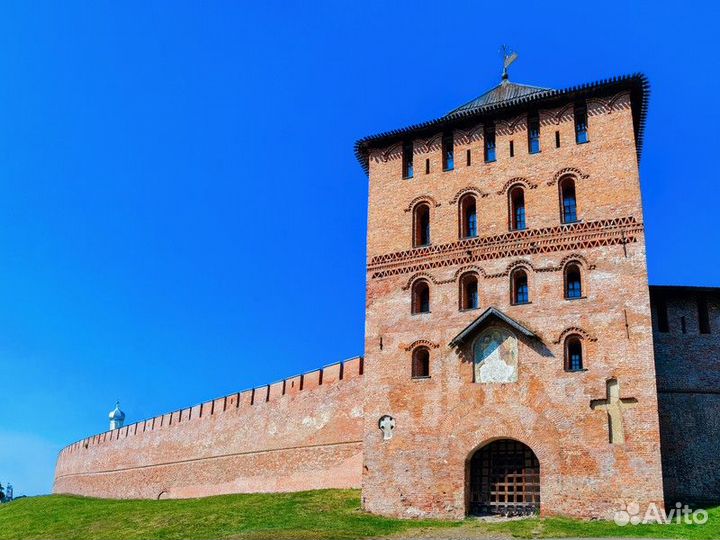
x,y
489,138
568,201
581,123
517,209
512,149
533,133
469,158
519,286
407,160
573,284
703,316
448,152
557,139
573,353
469,298
427,166
421,363
421,217
421,297
468,217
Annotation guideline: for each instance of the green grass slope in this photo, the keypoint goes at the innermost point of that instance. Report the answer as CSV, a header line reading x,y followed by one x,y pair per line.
x,y
328,514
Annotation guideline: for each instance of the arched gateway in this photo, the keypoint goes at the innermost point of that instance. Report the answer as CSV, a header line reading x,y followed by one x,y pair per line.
x,y
504,479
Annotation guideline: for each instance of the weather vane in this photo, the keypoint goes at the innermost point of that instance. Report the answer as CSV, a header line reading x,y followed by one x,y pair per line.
x,y
508,58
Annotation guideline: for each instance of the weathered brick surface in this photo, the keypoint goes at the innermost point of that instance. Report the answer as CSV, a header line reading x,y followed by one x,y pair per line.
x,y
302,439
422,470
688,370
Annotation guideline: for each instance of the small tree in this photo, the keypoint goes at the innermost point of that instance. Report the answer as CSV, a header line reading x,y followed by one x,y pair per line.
x,y
2,493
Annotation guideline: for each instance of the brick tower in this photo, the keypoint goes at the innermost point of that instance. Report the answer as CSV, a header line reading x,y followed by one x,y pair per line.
x,y
509,355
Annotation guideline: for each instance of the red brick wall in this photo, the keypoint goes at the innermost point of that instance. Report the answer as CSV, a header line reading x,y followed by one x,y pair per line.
x,y
440,421
288,440
688,369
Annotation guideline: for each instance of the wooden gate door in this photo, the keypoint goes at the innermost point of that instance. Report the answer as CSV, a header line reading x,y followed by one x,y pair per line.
x,y
504,479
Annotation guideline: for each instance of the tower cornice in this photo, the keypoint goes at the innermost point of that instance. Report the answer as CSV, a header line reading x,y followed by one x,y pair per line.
x,y
637,84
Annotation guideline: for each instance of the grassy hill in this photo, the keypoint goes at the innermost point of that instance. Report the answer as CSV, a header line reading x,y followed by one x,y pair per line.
x,y
326,514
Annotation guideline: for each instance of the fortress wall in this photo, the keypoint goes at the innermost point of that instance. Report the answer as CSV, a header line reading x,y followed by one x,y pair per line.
x,y
300,433
688,370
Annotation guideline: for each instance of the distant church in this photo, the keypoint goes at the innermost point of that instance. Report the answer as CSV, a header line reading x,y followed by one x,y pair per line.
x,y
515,358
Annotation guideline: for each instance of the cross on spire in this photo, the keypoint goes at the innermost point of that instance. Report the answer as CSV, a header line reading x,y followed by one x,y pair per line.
x,y
614,406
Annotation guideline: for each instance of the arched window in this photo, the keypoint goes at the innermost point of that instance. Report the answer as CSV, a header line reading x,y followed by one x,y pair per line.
x,y
421,225
573,353
519,286
421,297
573,283
421,363
517,208
568,202
468,217
469,298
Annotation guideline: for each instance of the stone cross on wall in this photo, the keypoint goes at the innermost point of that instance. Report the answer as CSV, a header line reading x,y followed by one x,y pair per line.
x,y
614,406
387,424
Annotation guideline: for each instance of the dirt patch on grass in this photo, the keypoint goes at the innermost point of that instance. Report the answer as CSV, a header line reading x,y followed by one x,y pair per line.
x,y
459,533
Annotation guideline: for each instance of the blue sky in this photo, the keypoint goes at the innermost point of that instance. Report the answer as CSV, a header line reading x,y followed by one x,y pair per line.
x,y
181,214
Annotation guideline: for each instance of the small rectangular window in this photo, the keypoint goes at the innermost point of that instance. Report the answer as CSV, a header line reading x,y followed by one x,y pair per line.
x,y
489,138
661,311
533,133
557,139
581,123
512,149
469,156
703,316
448,152
427,166
407,163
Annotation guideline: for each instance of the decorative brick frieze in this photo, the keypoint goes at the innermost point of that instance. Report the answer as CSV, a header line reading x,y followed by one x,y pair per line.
x,y
571,237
